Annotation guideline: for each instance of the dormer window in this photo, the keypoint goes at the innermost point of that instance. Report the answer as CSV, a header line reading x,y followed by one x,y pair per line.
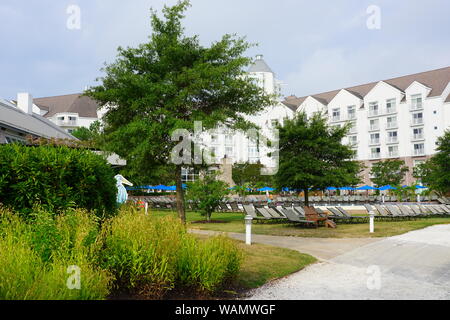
x,y
416,102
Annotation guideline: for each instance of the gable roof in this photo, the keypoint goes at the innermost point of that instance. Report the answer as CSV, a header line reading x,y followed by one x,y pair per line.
x,y
437,80
259,65
73,103
33,124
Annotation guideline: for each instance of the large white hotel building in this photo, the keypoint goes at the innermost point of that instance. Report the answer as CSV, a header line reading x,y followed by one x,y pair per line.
x,y
399,118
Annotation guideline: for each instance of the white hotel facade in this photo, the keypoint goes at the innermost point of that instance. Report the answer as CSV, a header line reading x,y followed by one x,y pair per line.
x,y
399,118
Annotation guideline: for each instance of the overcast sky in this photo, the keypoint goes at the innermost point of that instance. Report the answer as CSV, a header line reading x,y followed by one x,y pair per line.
x,y
312,46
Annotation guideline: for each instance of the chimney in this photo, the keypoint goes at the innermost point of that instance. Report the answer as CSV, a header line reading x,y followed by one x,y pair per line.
x,y
25,102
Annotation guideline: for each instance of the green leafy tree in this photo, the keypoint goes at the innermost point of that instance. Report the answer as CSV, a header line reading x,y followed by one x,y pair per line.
x,y
389,172
435,172
167,84
312,155
207,192
249,174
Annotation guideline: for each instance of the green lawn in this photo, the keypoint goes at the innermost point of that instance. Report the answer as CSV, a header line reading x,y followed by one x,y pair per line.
x,y
233,222
263,263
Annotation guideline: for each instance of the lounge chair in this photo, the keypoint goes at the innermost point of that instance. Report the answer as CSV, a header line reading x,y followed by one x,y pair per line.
x,y
352,218
294,218
338,216
395,211
250,210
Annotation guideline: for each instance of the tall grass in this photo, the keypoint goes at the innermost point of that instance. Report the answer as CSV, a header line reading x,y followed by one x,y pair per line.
x,y
34,257
151,255
131,252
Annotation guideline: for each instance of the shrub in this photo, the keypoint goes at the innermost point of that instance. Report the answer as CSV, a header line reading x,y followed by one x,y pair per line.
x,y
32,270
150,255
207,264
56,178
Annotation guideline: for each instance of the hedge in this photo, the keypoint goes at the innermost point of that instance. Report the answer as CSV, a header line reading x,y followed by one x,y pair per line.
x,y
57,178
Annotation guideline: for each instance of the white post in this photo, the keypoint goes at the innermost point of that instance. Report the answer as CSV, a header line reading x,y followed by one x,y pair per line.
x,y
371,221
382,197
418,197
248,229
146,208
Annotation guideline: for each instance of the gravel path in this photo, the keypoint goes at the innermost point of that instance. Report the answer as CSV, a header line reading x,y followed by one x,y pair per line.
x,y
415,265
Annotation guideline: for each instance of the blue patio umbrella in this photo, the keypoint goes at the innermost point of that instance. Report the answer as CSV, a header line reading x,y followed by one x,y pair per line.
x,y
366,188
266,189
421,187
346,189
331,189
405,186
161,187
388,187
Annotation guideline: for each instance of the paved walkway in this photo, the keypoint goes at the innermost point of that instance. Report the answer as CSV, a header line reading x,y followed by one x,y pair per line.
x,y
321,248
415,265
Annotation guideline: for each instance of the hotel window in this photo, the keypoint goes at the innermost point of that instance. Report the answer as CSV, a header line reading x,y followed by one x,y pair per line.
x,y
373,109
188,175
375,138
229,151
391,122
418,133
351,112
419,149
11,139
375,153
416,102
336,114
392,137
228,140
393,151
418,118
391,106
353,140
274,123
374,124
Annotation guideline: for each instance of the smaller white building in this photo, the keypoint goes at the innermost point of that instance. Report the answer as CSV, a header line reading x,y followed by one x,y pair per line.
x,y
69,111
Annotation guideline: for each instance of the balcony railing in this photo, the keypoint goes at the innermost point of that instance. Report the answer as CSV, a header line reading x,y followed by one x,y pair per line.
x,y
375,155
373,113
374,141
419,152
374,127
416,106
336,118
417,121
66,122
392,140
392,125
391,110
419,136
393,154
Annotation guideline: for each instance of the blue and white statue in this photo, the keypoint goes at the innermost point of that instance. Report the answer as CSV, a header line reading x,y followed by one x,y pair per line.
x,y
122,195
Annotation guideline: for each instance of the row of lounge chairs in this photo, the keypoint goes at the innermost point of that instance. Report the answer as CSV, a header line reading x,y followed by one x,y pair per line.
x,y
310,216
410,211
236,205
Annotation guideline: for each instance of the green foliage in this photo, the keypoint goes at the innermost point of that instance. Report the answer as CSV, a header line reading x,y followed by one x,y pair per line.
x,y
207,264
151,255
249,174
167,84
435,172
35,270
56,178
92,134
313,156
389,172
207,192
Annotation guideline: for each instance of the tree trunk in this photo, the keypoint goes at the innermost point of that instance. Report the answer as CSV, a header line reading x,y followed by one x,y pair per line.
x,y
180,195
306,197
